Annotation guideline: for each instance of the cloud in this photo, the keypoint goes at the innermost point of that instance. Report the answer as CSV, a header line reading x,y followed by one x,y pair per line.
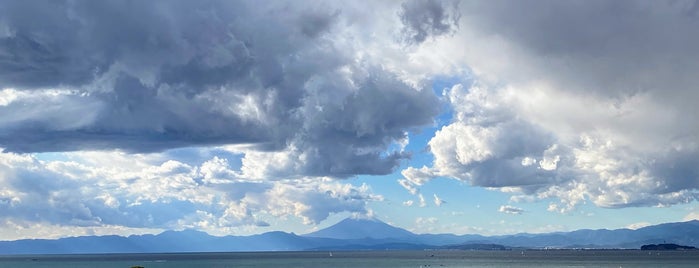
x,y
154,76
438,201
426,224
691,216
151,194
131,98
487,144
510,210
408,186
422,220
493,144
28,230
637,225
556,108
408,203
350,138
428,18
575,103
421,198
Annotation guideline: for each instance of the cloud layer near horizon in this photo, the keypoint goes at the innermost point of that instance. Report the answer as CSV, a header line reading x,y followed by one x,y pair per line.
x,y
133,191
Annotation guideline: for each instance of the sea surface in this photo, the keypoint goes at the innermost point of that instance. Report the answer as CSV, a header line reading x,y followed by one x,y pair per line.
x,y
338,259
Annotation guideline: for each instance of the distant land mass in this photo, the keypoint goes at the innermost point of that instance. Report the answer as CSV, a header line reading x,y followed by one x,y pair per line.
x,y
666,247
357,234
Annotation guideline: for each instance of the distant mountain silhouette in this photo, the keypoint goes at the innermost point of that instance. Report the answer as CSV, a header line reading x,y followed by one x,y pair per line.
x,y
361,229
686,233
356,234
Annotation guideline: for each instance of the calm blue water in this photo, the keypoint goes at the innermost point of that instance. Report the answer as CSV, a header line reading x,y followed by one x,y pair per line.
x,y
551,258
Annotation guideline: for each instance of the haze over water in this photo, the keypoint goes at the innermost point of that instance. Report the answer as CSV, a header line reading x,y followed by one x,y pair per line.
x,y
387,259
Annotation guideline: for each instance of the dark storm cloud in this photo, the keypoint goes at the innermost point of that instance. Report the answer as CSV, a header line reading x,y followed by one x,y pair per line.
x,y
165,74
679,169
41,47
367,119
428,18
312,23
609,48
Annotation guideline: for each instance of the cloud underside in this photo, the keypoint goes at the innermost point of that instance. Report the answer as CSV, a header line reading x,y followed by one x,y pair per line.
x,y
162,75
572,103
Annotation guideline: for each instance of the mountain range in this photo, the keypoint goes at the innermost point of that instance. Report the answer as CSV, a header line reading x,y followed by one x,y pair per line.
x,y
355,234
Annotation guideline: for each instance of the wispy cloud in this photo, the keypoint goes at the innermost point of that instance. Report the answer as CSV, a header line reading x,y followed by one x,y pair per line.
x,y
438,201
421,198
510,210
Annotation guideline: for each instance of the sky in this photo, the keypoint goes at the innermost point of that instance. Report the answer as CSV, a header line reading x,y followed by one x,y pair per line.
x,y
243,117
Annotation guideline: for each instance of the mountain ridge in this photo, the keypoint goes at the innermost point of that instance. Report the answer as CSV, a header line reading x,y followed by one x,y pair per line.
x,y
355,234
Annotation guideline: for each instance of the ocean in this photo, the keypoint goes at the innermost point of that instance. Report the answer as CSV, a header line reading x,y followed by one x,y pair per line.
x,y
339,259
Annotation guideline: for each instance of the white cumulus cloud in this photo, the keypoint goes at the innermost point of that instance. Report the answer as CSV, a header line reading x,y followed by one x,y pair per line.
x,y
548,116
510,210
